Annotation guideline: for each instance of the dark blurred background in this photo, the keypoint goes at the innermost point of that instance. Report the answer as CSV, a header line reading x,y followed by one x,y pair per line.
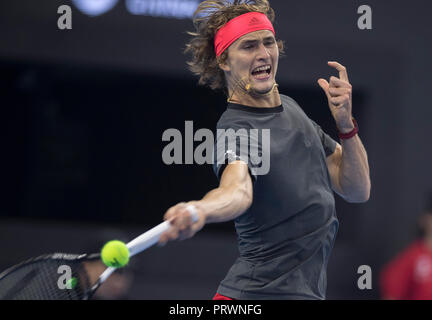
x,y
83,112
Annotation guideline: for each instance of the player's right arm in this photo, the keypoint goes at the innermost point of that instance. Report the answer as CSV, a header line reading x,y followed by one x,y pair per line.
x,y
232,198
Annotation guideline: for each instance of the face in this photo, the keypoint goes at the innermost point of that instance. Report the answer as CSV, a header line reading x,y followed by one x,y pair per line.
x,y
253,58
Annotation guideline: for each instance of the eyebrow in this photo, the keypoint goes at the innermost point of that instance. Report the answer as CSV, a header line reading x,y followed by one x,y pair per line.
x,y
251,41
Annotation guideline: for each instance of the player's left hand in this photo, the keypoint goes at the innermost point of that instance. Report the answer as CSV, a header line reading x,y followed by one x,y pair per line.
x,y
339,96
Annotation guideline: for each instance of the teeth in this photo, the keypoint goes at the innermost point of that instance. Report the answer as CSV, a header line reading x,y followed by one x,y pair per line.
x,y
262,68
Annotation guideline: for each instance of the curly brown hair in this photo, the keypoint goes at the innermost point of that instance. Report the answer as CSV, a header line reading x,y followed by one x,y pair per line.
x,y
209,17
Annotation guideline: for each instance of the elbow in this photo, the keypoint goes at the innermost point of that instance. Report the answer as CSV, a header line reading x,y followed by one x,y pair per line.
x,y
358,199
361,196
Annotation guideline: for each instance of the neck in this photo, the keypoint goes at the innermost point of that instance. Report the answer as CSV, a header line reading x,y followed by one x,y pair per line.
x,y
269,100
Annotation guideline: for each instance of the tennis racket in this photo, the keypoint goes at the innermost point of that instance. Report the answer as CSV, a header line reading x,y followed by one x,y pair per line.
x,y
64,276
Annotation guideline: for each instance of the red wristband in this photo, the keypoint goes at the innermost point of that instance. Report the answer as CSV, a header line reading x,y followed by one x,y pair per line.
x,y
350,134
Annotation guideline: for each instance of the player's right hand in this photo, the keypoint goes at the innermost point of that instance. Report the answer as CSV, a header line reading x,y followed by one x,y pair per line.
x,y
182,225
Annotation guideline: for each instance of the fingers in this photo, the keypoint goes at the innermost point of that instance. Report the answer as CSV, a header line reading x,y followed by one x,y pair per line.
x,y
343,75
339,100
338,90
171,234
181,224
336,82
335,87
323,84
334,92
171,212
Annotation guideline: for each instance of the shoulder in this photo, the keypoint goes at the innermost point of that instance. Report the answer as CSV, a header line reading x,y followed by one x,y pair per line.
x,y
235,119
288,101
226,119
291,105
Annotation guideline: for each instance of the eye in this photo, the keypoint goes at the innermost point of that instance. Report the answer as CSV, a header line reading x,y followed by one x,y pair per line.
x,y
269,43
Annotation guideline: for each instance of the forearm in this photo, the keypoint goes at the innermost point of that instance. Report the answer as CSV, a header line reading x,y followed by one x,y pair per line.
x,y
225,203
228,201
354,177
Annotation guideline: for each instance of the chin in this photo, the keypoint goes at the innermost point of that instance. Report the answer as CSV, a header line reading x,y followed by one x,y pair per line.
x,y
264,89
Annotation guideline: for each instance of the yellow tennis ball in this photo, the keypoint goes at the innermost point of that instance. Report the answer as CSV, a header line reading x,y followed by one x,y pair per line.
x,y
71,283
115,254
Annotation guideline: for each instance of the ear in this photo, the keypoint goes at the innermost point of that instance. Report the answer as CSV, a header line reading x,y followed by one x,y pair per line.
x,y
224,66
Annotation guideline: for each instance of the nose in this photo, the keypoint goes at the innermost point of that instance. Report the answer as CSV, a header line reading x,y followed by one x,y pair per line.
x,y
263,52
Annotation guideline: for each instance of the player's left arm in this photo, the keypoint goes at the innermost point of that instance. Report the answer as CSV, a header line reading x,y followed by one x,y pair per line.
x,y
349,170
348,165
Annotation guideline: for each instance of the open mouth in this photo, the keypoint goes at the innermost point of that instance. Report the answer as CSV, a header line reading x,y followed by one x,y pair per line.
x,y
262,72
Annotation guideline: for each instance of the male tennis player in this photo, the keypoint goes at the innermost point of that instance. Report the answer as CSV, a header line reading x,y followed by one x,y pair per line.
x,y
285,219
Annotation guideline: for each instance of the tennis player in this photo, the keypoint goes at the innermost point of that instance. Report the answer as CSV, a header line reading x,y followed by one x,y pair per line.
x,y
285,219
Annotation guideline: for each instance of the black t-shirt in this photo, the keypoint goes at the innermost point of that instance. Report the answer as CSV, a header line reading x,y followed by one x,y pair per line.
x,y
286,236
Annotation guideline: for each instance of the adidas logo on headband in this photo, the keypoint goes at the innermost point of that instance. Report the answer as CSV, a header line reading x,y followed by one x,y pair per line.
x,y
254,21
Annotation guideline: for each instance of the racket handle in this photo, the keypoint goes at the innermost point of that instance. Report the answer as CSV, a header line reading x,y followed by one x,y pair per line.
x,y
152,236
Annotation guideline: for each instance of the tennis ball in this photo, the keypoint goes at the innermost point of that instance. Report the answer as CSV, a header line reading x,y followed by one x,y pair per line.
x,y
115,254
71,283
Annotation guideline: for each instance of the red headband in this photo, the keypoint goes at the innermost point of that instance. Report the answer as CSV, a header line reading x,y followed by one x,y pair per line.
x,y
239,26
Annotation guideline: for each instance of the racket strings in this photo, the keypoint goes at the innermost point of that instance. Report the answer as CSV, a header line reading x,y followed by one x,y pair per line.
x,y
41,280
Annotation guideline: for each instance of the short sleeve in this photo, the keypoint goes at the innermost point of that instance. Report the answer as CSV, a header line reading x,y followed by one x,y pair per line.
x,y
233,144
327,142
329,145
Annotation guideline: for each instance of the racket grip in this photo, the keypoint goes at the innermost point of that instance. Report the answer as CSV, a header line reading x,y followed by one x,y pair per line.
x,y
152,236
